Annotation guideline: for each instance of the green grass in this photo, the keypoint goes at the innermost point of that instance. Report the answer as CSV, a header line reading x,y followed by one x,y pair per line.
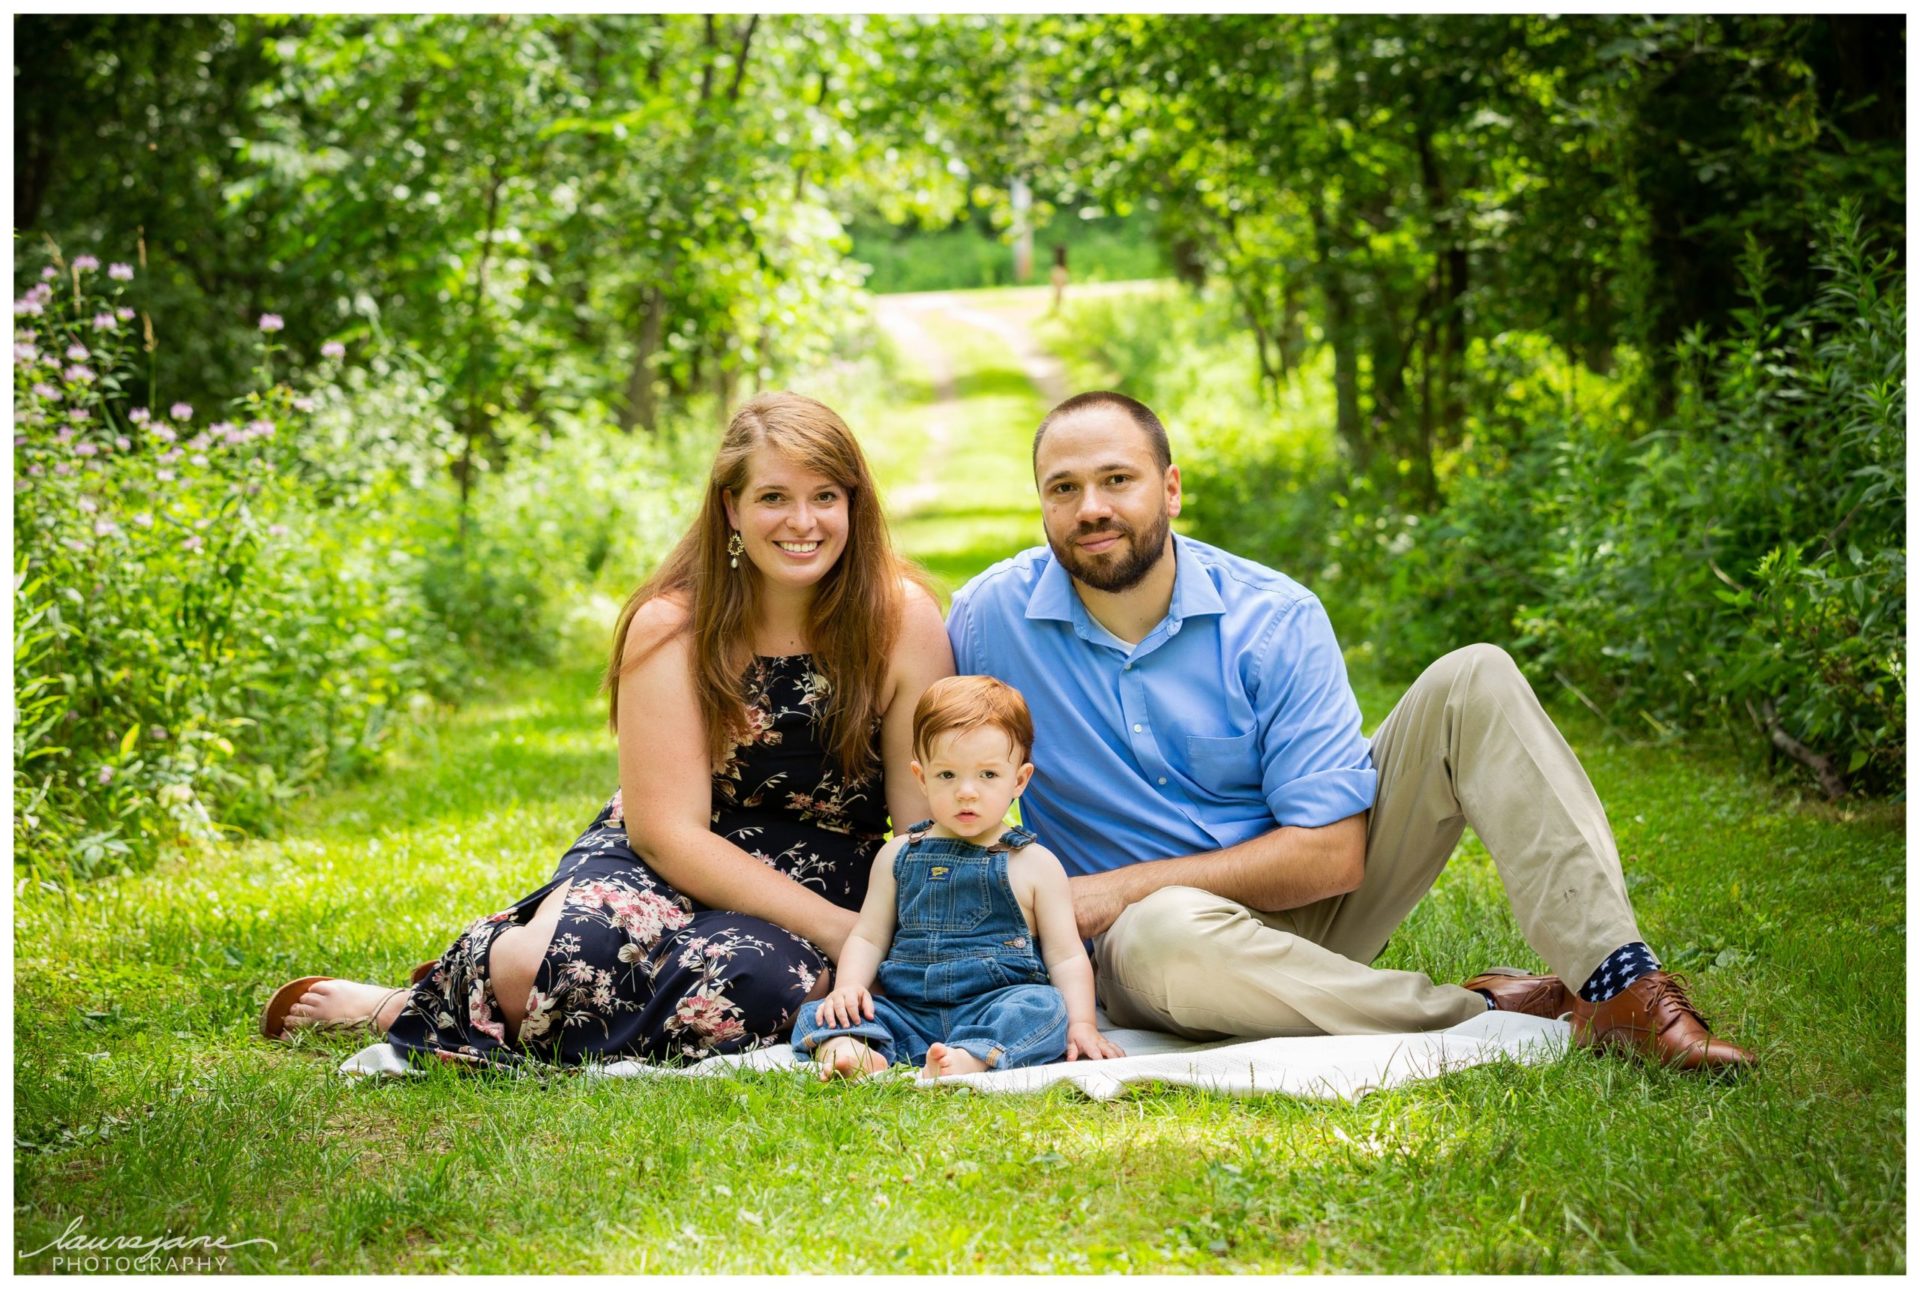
x,y
145,1105
967,257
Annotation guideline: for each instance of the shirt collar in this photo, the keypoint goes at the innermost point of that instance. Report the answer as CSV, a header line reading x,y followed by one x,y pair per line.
x,y
1194,594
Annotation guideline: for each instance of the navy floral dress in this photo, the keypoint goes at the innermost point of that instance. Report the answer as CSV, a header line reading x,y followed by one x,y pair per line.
x,y
637,969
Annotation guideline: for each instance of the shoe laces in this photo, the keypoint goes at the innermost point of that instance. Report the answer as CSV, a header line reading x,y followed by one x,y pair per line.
x,y
1672,987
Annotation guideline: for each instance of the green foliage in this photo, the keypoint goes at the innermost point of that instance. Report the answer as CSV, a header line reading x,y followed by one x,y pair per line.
x,y
968,256
209,620
1747,563
1739,565
197,634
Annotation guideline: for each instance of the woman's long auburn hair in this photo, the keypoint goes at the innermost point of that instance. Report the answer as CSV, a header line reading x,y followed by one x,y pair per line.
x,y
855,616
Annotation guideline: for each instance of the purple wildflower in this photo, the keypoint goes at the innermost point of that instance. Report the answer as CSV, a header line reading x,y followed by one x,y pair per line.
x,y
28,305
164,476
222,430
45,390
105,322
78,352
276,530
49,272
272,322
78,373
105,528
36,470
163,432
62,467
40,291
87,505
106,774
158,733
259,429
201,442
122,442
139,416
197,459
120,272
181,411
143,520
24,352
79,414
192,542
123,313
333,349
85,449
303,405
168,458
85,264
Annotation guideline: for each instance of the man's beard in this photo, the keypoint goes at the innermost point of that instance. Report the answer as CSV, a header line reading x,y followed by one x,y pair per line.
x,y
1107,574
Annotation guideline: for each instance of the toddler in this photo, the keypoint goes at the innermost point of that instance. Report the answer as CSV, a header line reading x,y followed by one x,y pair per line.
x,y
955,907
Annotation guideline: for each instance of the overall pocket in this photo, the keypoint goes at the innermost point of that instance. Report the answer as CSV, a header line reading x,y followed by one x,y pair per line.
x,y
946,895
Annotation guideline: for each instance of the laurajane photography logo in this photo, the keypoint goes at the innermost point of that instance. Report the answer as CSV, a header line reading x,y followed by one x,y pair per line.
x,y
108,1254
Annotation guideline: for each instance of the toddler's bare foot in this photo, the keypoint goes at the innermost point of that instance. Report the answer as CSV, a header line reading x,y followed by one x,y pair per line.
x,y
337,1004
943,1060
846,1058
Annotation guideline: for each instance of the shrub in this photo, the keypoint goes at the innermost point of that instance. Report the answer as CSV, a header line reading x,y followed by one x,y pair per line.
x,y
1738,563
198,631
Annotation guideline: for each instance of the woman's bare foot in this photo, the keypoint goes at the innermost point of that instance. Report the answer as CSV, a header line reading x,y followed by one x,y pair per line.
x,y
334,1004
846,1058
943,1060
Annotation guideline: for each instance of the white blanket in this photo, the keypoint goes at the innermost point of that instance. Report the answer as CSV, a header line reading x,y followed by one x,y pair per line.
x,y
1330,1068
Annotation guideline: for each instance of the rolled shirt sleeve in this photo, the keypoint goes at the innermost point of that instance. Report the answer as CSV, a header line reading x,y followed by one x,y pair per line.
x,y
1317,767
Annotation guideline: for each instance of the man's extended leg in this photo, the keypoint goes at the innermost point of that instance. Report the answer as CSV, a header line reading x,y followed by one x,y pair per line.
x,y
1470,744
1468,741
1203,966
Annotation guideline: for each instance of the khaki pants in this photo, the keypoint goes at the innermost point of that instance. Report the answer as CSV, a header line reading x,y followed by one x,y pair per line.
x,y
1468,744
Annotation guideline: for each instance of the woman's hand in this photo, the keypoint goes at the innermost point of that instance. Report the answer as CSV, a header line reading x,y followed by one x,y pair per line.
x,y
845,1008
1085,1039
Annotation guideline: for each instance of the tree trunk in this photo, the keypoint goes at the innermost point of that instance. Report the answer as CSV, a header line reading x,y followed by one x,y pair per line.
x,y
641,407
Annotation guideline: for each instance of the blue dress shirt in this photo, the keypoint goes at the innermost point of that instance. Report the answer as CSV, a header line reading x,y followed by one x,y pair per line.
x,y
1231,717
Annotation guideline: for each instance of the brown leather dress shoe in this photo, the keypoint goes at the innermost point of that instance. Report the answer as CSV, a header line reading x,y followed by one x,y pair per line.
x,y
1653,1017
1513,990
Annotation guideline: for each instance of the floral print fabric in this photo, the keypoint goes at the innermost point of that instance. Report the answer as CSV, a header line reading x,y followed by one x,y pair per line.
x,y
635,967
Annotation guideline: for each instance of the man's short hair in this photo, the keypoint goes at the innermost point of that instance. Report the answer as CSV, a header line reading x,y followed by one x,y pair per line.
x,y
959,704
1142,416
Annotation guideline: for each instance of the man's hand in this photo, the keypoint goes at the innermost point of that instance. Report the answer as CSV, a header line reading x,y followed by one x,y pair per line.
x,y
1096,903
1086,1040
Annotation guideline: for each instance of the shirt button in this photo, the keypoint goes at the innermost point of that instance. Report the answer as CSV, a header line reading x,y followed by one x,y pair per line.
x,y
1163,780
1138,728
1128,667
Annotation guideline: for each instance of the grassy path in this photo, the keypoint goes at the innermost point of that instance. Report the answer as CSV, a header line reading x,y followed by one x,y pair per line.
x,y
145,1106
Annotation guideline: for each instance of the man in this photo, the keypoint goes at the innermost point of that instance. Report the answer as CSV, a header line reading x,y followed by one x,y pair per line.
x,y
1240,853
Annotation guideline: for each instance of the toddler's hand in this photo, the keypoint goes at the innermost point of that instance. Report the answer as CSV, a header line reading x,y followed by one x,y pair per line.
x,y
1085,1039
844,1008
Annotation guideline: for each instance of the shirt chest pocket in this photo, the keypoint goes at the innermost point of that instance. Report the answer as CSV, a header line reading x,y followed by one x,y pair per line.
x,y
1226,767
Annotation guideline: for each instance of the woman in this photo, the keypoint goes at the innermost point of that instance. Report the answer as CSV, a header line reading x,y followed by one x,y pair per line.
x,y
762,685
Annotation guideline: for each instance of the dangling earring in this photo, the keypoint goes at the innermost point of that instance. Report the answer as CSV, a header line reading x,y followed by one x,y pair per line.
x,y
735,545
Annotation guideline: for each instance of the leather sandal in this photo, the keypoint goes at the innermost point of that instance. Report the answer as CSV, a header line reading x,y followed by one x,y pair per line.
x,y
273,1019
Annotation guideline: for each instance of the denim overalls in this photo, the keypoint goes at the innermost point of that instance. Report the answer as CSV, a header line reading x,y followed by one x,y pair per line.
x,y
962,969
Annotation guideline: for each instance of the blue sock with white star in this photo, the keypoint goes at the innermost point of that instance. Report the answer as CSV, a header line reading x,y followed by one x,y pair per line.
x,y
1623,966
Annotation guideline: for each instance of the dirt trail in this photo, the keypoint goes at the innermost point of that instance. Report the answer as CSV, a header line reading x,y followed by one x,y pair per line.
x,y
899,317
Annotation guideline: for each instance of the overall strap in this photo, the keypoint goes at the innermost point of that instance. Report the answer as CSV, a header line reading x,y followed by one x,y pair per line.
x,y
1013,839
